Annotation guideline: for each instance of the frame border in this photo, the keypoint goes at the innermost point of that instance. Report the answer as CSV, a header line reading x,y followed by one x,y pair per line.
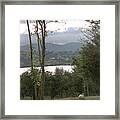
x,y
2,56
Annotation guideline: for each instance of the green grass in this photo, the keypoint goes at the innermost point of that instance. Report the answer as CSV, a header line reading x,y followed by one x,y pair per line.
x,y
27,98
83,98
69,98
92,98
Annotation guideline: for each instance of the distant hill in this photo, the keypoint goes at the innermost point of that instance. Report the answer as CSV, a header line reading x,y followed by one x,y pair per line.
x,y
55,54
68,36
55,47
61,47
66,47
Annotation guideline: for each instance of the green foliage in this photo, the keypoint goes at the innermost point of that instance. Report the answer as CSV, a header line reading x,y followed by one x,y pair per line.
x,y
62,84
51,58
59,85
87,64
28,80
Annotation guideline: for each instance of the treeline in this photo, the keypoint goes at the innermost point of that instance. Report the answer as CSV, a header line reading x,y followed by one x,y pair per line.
x,y
85,78
51,58
87,64
60,85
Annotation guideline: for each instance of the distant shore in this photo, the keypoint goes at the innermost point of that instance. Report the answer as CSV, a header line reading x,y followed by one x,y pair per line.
x,y
68,68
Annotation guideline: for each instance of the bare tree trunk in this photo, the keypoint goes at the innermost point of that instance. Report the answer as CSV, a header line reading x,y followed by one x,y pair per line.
x,y
38,42
39,54
43,59
35,87
43,27
87,90
31,56
84,88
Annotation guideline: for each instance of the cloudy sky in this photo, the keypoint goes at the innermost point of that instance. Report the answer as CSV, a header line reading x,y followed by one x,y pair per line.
x,y
61,26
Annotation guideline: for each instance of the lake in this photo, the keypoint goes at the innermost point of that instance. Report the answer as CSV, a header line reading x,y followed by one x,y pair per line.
x,y
67,68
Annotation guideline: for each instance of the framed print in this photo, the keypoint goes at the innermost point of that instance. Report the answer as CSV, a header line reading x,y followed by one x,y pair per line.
x,y
59,59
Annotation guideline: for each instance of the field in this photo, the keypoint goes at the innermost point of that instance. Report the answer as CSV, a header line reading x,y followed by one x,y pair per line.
x,y
69,98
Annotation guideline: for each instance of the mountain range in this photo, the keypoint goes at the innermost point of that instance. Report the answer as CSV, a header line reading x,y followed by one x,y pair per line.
x,y
71,35
61,47
55,54
75,46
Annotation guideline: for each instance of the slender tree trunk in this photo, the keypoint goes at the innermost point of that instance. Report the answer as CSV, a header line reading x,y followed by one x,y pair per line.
x,y
87,90
38,42
31,56
84,88
39,54
43,59
35,87
43,27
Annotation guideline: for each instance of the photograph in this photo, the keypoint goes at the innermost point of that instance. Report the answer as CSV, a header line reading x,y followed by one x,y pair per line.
x,y
60,63
59,59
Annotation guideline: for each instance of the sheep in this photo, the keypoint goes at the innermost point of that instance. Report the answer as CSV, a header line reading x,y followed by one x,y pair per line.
x,y
81,96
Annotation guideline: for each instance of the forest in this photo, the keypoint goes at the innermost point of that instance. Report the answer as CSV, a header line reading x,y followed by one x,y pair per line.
x,y
38,84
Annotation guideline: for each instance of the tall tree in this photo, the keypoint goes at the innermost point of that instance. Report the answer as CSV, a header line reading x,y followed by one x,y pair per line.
x,y
31,56
41,50
31,49
39,56
87,64
38,42
43,33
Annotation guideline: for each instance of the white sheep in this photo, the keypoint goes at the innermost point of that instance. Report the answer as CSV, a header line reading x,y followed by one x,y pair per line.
x,y
81,96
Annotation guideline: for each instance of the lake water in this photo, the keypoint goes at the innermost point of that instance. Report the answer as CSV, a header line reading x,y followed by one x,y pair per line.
x,y
67,68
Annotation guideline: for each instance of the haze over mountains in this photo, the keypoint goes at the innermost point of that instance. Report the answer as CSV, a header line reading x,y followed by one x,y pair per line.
x,y
61,47
70,35
74,46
